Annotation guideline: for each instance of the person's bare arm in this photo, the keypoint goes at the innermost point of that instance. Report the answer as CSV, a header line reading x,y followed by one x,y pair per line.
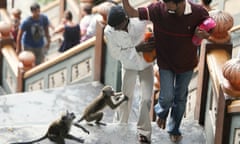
x,y
18,43
59,29
47,37
131,11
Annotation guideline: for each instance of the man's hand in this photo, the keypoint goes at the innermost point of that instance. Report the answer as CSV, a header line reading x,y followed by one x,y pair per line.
x,y
146,46
203,34
48,42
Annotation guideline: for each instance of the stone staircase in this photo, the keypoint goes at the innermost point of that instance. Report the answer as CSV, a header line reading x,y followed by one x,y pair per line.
x,y
2,91
26,116
112,133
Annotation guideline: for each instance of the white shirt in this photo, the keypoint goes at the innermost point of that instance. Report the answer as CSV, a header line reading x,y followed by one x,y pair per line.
x,y
121,44
85,22
91,30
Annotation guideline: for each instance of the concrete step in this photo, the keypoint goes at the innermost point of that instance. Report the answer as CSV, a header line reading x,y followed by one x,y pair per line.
x,y
26,116
112,133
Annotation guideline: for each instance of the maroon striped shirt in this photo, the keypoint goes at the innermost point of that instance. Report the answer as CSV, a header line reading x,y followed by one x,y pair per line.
x,y
173,34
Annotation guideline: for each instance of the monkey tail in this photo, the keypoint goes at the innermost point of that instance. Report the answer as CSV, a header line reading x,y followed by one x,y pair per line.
x,y
33,141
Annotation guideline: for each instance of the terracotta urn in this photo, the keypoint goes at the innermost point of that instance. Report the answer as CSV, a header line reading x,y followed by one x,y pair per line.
x,y
27,58
224,22
231,71
5,29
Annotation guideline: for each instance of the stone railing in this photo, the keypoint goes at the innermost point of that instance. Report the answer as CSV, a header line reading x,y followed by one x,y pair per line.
x,y
212,102
217,106
81,63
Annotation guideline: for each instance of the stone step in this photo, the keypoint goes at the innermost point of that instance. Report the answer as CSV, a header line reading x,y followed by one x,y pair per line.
x,y
26,116
112,133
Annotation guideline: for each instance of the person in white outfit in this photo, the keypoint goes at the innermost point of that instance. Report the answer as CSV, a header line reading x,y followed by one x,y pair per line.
x,y
123,38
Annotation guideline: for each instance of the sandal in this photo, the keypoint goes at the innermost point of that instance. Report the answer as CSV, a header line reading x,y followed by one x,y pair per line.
x,y
143,139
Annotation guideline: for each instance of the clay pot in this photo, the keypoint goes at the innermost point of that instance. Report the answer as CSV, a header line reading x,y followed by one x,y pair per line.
x,y
220,33
231,71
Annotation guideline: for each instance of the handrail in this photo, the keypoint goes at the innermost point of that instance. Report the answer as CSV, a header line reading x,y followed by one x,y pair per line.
x,y
235,28
11,56
234,107
50,6
76,49
211,103
215,60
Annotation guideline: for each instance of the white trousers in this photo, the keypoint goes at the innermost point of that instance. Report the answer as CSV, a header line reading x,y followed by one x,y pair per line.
x,y
129,78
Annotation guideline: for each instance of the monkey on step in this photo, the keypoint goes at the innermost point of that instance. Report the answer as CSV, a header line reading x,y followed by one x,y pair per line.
x,y
107,97
59,130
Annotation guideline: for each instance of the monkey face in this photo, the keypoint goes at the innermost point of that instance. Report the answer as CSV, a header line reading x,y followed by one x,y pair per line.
x,y
108,91
68,117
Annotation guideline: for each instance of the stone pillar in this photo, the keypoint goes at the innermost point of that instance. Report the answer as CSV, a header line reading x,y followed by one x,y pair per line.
x,y
27,58
26,62
5,34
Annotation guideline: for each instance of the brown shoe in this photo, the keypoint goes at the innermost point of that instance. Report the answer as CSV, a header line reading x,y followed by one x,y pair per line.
x,y
175,138
161,123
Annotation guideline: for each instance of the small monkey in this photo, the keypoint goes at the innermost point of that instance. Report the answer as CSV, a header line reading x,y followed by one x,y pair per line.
x,y
93,111
59,130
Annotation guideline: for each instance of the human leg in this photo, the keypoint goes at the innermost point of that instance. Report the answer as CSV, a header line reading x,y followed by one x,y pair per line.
x,y
38,52
179,104
166,95
146,88
128,86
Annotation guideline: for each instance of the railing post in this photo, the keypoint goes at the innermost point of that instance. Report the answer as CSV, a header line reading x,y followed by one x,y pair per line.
x,y
20,77
98,62
223,121
209,56
5,39
221,38
203,77
26,62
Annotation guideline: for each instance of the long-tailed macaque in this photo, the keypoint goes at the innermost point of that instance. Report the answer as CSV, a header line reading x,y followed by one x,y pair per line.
x,y
59,130
106,98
